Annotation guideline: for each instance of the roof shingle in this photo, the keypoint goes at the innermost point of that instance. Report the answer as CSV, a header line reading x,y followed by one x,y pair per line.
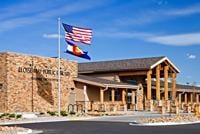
x,y
118,65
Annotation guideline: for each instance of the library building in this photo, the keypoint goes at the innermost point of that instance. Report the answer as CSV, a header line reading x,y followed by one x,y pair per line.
x,y
29,83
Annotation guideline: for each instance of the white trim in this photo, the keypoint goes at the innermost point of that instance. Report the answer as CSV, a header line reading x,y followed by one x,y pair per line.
x,y
163,59
122,86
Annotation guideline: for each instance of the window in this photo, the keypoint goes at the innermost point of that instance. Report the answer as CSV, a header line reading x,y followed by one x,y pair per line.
x,y
117,95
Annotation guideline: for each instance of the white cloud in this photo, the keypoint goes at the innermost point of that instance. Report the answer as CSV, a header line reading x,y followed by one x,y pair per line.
x,y
184,39
121,34
177,39
185,11
160,2
151,16
52,36
36,16
191,56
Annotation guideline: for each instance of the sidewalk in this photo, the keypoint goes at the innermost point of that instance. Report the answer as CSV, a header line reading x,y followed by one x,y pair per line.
x,y
134,116
44,119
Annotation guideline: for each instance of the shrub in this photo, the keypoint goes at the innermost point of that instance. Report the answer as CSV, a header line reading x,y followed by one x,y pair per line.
x,y
19,116
72,113
63,113
12,116
51,113
41,113
5,114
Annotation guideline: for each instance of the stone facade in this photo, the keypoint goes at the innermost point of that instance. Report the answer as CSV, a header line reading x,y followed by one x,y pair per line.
x,y
30,84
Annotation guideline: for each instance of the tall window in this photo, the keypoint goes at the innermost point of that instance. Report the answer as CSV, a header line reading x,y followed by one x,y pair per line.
x,y
117,95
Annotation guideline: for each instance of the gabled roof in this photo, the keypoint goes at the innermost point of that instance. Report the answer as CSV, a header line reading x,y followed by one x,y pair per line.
x,y
123,65
103,82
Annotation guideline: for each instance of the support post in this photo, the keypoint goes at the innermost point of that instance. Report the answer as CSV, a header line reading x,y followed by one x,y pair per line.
x,y
133,97
85,98
173,86
149,84
101,96
166,68
197,98
179,98
123,96
158,82
186,98
191,97
113,95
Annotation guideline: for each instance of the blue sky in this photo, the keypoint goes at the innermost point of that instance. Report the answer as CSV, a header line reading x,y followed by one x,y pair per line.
x,y
122,29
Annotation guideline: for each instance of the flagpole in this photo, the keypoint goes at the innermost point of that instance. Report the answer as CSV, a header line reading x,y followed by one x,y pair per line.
x,y
59,80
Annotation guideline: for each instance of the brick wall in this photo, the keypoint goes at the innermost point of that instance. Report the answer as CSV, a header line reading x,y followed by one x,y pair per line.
x,y
3,83
33,85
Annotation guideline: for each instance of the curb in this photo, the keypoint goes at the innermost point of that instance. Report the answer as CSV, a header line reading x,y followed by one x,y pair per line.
x,y
164,123
30,122
44,121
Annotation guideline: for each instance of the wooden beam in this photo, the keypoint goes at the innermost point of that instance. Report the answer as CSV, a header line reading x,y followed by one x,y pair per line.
x,y
170,67
166,68
132,73
173,86
149,84
158,82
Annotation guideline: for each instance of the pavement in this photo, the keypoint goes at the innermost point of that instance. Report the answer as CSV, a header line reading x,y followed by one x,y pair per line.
x,y
102,125
96,127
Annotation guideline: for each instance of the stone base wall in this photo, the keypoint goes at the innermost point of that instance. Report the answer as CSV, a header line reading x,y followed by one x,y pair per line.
x,y
32,83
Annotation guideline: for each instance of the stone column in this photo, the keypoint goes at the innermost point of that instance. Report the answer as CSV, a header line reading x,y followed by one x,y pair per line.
x,y
113,95
123,96
101,96
133,97
173,86
158,82
166,68
185,98
149,84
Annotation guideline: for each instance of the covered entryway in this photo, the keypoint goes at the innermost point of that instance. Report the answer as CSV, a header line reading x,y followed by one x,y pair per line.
x,y
102,95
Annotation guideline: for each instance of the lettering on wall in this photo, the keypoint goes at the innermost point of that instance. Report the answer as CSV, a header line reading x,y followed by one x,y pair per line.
x,y
42,71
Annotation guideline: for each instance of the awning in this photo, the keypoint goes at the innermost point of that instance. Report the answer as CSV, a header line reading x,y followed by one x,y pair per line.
x,y
103,82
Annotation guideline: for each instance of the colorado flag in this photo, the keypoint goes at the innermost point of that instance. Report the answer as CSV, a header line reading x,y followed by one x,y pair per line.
x,y
76,51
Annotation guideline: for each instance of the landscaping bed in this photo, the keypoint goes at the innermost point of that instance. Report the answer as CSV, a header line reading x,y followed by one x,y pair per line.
x,y
14,130
170,120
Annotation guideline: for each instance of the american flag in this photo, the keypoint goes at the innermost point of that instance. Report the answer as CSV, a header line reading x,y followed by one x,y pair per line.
x,y
77,34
